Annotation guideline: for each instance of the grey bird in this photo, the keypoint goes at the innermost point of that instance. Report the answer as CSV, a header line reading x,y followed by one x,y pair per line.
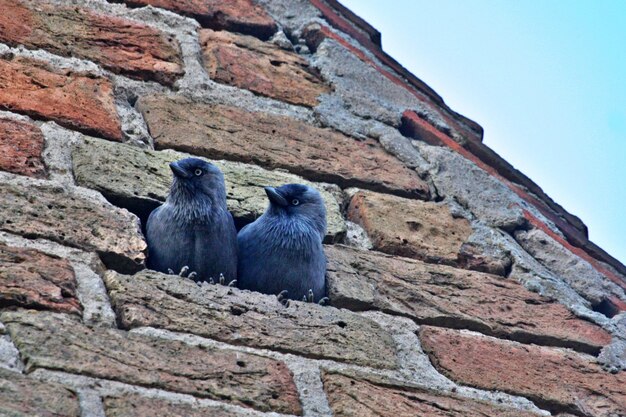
x,y
281,252
193,230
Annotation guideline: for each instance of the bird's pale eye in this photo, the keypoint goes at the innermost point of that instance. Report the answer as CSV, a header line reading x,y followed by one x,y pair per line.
x,y
198,172
295,202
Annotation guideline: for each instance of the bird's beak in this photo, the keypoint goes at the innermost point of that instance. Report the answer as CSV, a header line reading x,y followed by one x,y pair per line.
x,y
178,171
276,197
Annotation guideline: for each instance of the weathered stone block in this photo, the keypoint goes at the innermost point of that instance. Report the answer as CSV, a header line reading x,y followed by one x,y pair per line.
x,y
133,405
21,145
139,180
555,379
32,279
446,296
242,16
226,132
36,209
356,397
248,318
58,342
412,228
120,45
75,101
260,67
21,396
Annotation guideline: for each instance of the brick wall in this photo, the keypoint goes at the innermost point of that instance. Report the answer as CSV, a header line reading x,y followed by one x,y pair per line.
x,y
458,287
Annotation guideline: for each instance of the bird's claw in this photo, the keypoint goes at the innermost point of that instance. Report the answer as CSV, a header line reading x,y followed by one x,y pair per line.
x,y
282,298
184,272
222,281
309,297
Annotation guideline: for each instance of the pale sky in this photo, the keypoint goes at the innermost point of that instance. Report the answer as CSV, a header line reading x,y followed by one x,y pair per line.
x,y
545,79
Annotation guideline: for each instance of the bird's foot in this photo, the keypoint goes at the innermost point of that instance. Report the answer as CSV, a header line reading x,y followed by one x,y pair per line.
x,y
184,272
282,298
309,297
222,281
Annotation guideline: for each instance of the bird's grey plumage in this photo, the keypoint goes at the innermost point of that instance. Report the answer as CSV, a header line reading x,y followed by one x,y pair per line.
x,y
282,249
194,227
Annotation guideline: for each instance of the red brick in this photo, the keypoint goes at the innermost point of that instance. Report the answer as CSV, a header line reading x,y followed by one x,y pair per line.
x,y
412,228
450,297
351,396
261,67
72,100
119,45
235,15
21,145
225,132
31,279
555,379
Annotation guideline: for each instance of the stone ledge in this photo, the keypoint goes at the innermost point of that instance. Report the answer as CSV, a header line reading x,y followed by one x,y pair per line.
x,y
151,299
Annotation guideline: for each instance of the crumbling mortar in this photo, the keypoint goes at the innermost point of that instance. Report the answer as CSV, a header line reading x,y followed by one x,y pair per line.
x,y
94,390
295,18
390,110
9,355
72,64
56,156
90,403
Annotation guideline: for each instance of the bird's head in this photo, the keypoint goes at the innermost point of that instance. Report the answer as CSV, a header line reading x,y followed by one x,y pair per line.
x,y
298,200
194,177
